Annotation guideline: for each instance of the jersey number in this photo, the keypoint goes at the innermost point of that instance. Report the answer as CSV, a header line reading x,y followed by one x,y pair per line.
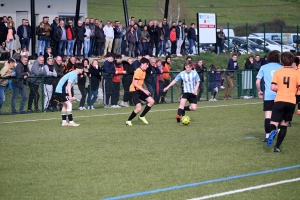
x,y
286,81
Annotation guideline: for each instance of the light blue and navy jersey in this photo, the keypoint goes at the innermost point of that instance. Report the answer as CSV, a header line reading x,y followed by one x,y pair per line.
x,y
63,82
189,80
267,72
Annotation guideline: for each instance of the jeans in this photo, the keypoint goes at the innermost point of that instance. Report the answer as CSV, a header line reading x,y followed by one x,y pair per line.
x,y
145,48
165,41
160,47
22,92
2,95
92,46
79,47
62,47
41,47
70,47
138,46
117,45
25,42
83,92
86,47
116,93
200,91
91,100
220,48
47,43
192,42
131,49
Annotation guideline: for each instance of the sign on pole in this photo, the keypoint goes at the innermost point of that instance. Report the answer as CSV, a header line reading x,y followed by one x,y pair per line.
x,y
207,27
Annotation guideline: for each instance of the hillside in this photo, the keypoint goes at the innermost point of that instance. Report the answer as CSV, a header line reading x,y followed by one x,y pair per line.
x,y
235,12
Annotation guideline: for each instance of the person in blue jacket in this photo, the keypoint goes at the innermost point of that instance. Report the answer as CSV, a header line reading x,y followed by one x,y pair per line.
x,y
231,67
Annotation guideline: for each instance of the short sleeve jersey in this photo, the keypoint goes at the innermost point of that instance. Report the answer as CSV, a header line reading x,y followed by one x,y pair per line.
x,y
189,80
287,81
267,72
139,75
298,72
63,82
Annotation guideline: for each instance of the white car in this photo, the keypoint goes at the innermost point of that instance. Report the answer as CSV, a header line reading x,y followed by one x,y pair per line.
x,y
270,44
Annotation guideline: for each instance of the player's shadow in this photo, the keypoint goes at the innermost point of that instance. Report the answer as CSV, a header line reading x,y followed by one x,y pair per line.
x,y
258,137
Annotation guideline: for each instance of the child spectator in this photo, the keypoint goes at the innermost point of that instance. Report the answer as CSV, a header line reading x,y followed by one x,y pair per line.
x,y
24,51
17,55
173,40
219,80
212,82
116,81
48,54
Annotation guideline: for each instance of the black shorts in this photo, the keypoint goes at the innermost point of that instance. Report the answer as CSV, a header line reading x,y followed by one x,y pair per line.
x,y
297,99
282,111
268,105
62,97
138,95
190,97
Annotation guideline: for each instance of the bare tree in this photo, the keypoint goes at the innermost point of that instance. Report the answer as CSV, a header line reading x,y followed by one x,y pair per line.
x,y
177,9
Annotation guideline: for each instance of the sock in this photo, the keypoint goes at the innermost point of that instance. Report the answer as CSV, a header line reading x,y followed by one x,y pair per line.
x,y
215,94
187,108
298,106
162,98
70,117
146,109
64,121
267,127
180,111
133,114
272,127
281,136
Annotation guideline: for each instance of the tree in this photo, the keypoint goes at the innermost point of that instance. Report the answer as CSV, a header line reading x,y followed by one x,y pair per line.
x,y
177,9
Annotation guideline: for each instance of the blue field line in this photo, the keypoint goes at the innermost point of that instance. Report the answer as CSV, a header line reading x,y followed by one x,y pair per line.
x,y
176,187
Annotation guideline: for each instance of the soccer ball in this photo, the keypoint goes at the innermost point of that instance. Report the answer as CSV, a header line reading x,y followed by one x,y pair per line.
x,y
185,120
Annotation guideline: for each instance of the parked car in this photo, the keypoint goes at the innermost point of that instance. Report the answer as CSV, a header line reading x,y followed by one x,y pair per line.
x,y
252,45
269,43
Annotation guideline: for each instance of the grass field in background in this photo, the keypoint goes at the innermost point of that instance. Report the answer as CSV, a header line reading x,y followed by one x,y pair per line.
x,y
234,12
104,158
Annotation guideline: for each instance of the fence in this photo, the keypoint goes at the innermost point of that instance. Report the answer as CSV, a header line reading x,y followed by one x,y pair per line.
x,y
243,80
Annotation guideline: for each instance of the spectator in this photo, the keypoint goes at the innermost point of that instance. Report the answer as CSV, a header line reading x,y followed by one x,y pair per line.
x,y
61,37
220,41
166,36
131,38
247,78
212,82
93,43
191,38
99,34
24,51
10,37
149,73
95,72
161,36
87,40
3,31
71,38
55,44
48,54
173,40
40,31
80,30
200,68
126,81
109,37
83,83
166,77
257,62
151,31
116,81
180,38
6,71
48,86
18,85
48,29
118,33
156,38
231,67
145,40
59,71
219,80
17,55
108,72
159,81
136,64
138,36
4,52
24,33
37,69
70,66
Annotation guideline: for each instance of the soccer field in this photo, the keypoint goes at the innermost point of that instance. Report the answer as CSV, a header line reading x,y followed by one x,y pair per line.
x,y
219,153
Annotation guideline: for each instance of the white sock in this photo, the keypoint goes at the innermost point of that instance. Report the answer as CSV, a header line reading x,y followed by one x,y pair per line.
x,y
71,122
267,135
64,121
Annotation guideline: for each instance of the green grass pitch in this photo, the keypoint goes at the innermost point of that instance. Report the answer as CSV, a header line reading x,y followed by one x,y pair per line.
x,y
104,158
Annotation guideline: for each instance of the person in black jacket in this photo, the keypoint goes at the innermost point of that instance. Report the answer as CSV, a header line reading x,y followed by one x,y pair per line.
x,y
40,32
48,83
108,73
83,83
79,31
191,38
126,81
200,69
18,85
53,36
96,73
3,31
100,37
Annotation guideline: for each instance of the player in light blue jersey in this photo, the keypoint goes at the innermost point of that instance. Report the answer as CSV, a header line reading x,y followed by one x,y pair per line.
x,y
190,83
64,94
266,72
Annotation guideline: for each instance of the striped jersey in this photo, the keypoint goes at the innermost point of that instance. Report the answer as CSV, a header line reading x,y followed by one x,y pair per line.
x,y
189,80
63,82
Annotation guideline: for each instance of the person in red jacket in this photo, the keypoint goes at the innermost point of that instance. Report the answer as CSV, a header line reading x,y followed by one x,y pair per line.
x,y
70,38
173,40
116,81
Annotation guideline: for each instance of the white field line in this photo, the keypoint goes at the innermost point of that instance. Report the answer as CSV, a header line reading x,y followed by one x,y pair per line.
x,y
124,113
247,189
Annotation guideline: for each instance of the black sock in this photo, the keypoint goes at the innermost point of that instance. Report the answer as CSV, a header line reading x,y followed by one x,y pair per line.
x,y
267,125
180,111
70,117
272,127
146,109
64,117
187,108
298,106
133,114
281,135
215,94
162,99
